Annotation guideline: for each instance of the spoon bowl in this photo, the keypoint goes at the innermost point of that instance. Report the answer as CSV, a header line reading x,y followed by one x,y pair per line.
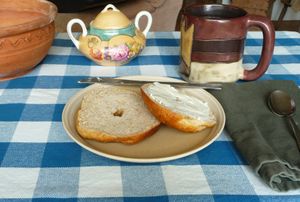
x,y
281,104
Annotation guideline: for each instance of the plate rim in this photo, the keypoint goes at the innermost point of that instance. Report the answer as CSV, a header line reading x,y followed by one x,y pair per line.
x,y
143,160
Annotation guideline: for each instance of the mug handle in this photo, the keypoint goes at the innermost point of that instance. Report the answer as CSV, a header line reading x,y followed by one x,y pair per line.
x,y
69,30
149,22
268,46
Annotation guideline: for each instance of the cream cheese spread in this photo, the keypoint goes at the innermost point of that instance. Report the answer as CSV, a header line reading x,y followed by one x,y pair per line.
x,y
168,96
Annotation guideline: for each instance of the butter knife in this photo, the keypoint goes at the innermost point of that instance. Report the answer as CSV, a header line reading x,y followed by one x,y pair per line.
x,y
125,82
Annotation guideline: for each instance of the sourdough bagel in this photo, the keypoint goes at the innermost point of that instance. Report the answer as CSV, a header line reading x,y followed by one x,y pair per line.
x,y
113,114
177,110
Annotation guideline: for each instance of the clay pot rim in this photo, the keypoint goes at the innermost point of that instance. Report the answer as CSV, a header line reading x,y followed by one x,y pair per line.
x,y
49,11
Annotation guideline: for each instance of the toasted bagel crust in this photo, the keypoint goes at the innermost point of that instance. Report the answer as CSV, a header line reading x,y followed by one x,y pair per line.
x,y
104,137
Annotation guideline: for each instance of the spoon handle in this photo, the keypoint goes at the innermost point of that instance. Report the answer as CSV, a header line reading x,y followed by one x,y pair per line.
x,y
296,131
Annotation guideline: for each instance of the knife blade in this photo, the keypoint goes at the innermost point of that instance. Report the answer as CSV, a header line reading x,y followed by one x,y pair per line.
x,y
125,82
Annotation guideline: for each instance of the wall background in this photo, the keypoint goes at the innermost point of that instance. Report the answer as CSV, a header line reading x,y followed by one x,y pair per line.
x,y
290,14
277,6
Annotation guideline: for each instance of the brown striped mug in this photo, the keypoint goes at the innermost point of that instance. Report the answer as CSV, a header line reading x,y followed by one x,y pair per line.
x,y
213,39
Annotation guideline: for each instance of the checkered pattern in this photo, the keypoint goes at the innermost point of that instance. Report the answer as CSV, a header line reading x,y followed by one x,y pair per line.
x,y
40,162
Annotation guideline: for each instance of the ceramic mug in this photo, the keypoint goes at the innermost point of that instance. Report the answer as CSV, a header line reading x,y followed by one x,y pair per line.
x,y
213,39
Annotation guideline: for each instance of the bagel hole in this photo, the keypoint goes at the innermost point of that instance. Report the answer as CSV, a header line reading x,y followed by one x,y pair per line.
x,y
118,112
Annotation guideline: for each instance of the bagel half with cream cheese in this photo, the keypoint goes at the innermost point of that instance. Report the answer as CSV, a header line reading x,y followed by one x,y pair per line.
x,y
114,114
177,110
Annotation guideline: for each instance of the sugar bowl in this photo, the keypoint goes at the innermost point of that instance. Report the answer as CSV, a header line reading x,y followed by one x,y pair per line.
x,y
112,39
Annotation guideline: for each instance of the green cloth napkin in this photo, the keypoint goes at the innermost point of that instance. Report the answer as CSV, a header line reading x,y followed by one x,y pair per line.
x,y
264,139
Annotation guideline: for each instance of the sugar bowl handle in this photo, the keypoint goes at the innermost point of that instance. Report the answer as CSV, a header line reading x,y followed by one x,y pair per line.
x,y
149,21
108,7
69,30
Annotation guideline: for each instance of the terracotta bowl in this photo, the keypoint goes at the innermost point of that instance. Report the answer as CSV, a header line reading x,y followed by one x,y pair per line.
x,y
26,34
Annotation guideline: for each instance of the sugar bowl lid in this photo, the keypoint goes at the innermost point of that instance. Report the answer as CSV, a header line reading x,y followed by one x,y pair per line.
x,y
110,18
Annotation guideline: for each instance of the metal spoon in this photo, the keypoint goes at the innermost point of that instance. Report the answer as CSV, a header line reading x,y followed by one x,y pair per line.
x,y
283,105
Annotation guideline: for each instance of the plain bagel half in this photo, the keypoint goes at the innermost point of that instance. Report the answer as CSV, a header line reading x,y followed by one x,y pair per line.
x,y
113,114
175,109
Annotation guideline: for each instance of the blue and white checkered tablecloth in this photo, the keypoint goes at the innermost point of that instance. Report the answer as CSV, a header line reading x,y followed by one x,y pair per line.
x,y
40,162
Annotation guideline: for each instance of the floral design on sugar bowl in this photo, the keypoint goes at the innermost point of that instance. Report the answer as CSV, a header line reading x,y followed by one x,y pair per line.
x,y
112,39
117,53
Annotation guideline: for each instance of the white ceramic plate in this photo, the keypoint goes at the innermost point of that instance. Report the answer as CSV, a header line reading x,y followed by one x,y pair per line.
x,y
166,144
